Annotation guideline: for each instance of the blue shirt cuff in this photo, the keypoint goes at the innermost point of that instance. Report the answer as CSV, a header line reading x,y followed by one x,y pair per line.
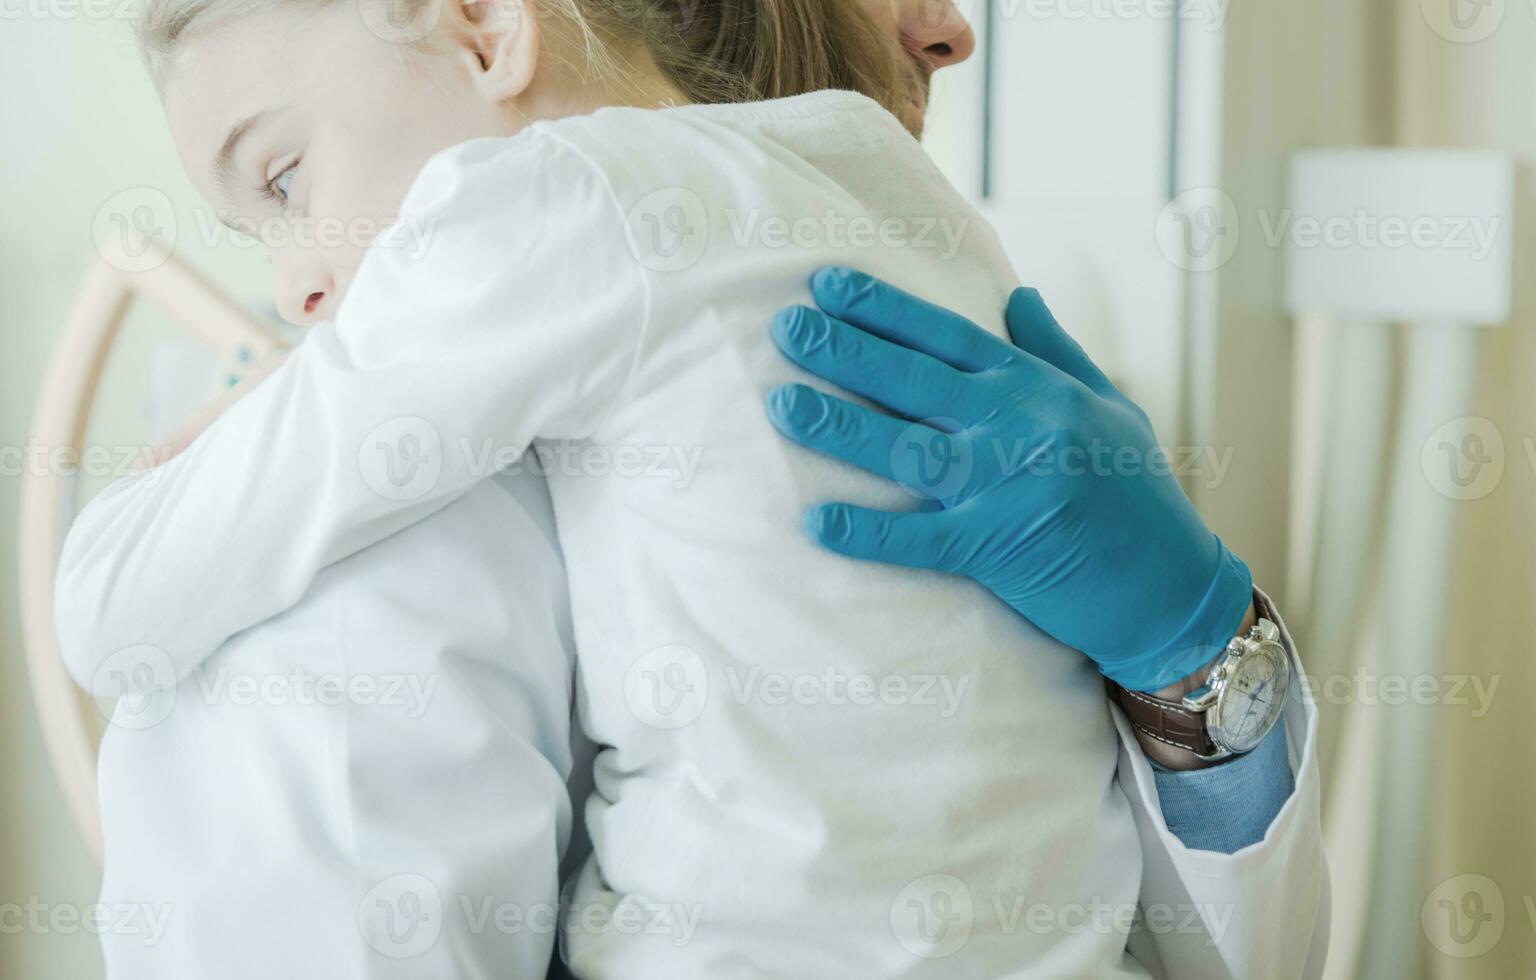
x,y
1227,807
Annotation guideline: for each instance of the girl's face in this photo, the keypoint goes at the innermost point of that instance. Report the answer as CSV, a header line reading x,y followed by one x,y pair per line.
x,y
305,126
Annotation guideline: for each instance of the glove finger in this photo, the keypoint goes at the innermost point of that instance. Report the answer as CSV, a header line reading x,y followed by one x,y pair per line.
x,y
907,382
915,540
899,317
852,433
933,465
1035,330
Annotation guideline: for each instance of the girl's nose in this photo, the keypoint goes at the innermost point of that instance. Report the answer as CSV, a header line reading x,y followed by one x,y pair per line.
x,y
305,296
938,30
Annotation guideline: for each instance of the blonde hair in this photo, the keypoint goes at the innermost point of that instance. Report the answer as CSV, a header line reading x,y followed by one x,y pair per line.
x,y
712,50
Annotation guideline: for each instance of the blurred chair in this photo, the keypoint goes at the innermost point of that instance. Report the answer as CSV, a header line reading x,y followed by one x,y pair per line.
x,y
124,272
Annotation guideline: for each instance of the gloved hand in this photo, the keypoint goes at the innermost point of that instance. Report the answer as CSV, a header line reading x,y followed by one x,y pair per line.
x,y
1041,481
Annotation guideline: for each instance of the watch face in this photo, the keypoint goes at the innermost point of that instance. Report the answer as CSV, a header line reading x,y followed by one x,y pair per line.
x,y
1251,699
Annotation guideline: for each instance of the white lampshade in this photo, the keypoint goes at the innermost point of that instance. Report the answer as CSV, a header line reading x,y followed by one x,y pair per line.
x,y
1388,234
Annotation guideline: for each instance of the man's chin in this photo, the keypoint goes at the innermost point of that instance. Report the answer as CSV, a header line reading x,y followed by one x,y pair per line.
x,y
914,109
912,119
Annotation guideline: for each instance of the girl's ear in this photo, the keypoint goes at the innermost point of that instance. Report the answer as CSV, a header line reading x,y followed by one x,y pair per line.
x,y
502,38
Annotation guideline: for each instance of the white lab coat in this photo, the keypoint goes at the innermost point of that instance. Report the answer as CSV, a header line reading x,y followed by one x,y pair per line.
x,y
371,784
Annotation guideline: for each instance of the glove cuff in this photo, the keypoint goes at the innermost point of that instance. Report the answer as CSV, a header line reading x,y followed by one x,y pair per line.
x,y
1204,635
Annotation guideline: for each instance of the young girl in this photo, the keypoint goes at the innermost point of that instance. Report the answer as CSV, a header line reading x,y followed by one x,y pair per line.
x,y
808,768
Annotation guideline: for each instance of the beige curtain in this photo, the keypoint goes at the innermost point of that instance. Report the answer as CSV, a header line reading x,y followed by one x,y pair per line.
x,y
1468,90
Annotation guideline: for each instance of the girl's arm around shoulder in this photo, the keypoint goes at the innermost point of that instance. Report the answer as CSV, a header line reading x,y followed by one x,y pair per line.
x,y
504,305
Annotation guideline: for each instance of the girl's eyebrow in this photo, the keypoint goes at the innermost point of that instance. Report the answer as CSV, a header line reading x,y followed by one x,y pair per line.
x,y
224,162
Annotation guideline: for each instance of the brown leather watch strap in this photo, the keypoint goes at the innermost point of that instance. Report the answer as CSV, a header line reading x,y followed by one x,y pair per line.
x,y
1166,721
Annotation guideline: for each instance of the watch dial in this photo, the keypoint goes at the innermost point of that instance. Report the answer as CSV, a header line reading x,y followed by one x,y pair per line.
x,y
1253,697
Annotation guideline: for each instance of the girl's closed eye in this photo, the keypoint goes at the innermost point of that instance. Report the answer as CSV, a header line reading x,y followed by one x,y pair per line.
x,y
280,184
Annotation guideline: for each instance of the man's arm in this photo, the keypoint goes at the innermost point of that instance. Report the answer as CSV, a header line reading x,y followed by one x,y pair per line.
x,y
1224,805
1234,879
1227,805
1172,756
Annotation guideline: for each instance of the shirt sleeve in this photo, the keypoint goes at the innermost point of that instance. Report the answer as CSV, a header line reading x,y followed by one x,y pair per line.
x,y
1227,807
445,361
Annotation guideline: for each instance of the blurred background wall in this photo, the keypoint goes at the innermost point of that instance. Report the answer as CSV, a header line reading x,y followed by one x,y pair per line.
x,y
1103,118
80,124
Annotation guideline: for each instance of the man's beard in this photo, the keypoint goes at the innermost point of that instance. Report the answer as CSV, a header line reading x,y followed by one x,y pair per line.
x,y
913,99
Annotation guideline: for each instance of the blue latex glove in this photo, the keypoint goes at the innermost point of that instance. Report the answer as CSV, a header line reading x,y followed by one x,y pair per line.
x,y
1041,481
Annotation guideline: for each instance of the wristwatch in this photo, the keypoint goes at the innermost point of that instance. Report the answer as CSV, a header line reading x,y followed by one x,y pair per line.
x,y
1242,698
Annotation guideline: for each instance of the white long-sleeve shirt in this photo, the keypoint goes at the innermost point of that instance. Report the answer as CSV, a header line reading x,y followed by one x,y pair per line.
x,y
605,281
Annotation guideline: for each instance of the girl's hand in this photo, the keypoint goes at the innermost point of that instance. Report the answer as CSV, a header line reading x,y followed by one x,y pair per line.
x,y
1039,479
179,439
